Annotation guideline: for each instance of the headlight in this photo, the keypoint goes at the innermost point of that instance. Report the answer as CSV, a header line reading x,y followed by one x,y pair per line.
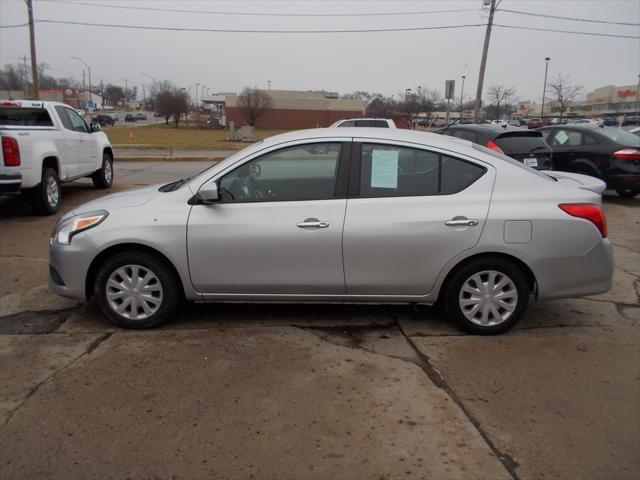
x,y
65,230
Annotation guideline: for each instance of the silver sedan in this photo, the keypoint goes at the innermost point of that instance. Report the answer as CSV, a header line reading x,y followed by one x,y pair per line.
x,y
342,215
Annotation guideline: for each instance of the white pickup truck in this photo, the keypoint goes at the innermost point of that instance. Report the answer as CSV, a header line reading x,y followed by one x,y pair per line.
x,y
45,143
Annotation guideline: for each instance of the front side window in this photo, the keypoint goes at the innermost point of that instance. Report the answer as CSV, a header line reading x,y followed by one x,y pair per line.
x,y
304,172
391,171
71,120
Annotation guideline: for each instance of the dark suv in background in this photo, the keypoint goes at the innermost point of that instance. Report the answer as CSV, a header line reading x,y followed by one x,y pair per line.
x,y
526,146
104,120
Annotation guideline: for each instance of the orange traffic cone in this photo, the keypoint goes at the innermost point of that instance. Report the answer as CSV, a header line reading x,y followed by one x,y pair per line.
x,y
131,136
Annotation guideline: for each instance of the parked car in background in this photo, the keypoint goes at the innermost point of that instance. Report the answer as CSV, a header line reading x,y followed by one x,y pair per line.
x,y
611,154
609,122
519,143
365,122
534,123
587,121
429,218
46,143
129,118
104,120
631,120
141,116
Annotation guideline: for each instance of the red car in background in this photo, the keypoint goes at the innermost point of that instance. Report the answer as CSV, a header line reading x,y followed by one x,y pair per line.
x,y
534,123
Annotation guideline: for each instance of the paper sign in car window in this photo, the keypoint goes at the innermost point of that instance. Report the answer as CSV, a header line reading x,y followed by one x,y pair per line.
x,y
561,137
384,169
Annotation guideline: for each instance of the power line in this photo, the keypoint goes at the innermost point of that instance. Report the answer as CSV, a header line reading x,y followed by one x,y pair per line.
x,y
573,19
220,30
365,30
613,35
15,26
258,14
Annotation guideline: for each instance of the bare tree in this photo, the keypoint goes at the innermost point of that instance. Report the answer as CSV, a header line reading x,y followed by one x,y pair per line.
x,y
499,95
163,94
253,103
427,100
563,92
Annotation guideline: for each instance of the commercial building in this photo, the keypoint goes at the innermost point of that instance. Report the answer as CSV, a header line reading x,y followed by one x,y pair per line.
x,y
289,109
73,97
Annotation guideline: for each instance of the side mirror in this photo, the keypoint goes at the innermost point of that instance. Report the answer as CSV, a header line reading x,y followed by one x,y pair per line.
x,y
94,127
207,194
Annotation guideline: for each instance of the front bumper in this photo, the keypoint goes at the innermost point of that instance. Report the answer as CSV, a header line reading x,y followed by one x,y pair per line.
x,y
10,183
576,276
69,266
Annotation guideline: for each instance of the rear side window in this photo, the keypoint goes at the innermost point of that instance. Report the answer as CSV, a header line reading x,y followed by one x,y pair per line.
x,y
33,117
464,134
350,123
391,171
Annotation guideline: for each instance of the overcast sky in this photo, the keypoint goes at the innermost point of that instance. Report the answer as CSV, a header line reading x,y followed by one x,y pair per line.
x,y
385,62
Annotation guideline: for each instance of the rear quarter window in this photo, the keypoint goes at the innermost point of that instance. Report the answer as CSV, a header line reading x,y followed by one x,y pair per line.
x,y
18,116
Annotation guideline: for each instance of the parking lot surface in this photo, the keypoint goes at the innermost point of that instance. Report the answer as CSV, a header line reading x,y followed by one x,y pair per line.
x,y
244,391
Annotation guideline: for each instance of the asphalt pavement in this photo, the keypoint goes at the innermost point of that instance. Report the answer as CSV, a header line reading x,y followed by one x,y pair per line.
x,y
241,391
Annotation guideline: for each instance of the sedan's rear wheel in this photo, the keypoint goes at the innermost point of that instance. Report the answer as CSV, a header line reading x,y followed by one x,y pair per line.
x,y
136,290
628,192
487,296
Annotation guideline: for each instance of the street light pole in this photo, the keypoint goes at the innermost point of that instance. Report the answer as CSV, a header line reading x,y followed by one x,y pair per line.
x,y
196,102
406,104
461,96
544,89
89,69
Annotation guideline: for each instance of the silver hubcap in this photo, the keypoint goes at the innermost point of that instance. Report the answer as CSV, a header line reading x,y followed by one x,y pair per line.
x,y
134,292
108,172
52,191
488,298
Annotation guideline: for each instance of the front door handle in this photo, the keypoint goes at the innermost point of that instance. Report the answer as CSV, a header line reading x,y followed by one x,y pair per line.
x,y
461,222
313,223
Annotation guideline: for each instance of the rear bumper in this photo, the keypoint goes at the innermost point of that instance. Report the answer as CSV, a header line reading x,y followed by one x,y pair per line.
x,y
623,182
576,276
10,183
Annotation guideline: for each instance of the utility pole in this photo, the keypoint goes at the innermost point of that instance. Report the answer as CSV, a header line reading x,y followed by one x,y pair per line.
x,y
24,78
483,62
32,41
84,91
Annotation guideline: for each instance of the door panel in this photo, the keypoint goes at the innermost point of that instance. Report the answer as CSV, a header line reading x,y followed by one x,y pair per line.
x,y
258,248
278,226
397,245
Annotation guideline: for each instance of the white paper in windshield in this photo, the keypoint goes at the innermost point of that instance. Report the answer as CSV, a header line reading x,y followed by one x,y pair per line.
x,y
561,137
384,169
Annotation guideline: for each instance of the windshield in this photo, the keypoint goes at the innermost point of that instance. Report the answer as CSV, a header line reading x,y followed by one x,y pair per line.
x,y
621,136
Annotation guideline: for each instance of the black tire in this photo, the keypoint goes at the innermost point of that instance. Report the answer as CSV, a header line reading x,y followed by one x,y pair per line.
x,y
45,198
170,292
503,268
627,192
103,178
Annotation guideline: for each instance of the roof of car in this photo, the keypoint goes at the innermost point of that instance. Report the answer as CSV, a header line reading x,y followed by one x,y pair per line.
x,y
397,134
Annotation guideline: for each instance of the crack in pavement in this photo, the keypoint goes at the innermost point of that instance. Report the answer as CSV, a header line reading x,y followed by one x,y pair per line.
x,y
422,362
90,348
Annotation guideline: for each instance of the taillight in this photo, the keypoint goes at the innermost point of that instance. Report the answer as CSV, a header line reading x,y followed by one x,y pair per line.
x,y
628,154
494,146
10,152
588,211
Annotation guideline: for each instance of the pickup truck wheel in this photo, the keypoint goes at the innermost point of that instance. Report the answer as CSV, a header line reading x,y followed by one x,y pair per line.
x,y
103,178
136,290
45,198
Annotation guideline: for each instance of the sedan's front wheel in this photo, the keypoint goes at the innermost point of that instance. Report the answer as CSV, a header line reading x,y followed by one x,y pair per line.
x,y
136,290
487,296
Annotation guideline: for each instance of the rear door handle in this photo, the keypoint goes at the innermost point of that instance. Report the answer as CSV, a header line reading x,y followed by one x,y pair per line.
x,y
461,222
313,223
